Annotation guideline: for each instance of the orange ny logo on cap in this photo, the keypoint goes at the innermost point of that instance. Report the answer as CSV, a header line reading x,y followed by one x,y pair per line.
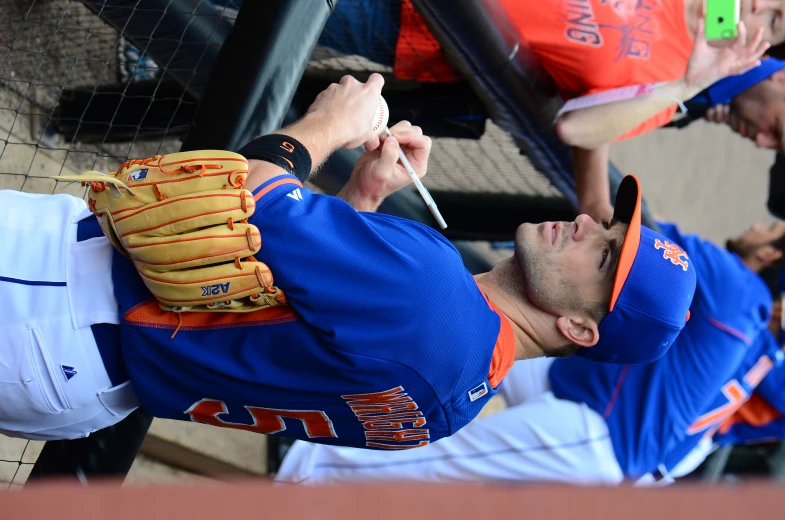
x,y
673,253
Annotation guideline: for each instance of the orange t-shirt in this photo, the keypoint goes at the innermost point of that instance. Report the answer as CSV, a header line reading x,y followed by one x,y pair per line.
x,y
418,56
589,46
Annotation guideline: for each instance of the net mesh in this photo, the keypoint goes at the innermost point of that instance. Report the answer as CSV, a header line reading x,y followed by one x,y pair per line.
x,y
49,49
60,62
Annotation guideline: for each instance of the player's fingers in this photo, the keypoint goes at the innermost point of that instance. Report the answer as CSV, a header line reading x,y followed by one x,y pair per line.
x,y
401,126
418,149
413,139
390,152
427,144
372,144
375,82
421,155
396,130
348,80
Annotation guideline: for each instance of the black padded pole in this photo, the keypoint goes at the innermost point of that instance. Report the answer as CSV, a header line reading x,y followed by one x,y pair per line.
x,y
258,70
496,61
106,453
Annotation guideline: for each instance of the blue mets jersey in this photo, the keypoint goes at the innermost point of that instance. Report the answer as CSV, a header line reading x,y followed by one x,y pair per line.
x,y
649,408
762,417
388,342
725,410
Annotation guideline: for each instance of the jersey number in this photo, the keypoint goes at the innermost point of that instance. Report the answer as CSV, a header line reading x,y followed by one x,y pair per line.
x,y
736,396
265,420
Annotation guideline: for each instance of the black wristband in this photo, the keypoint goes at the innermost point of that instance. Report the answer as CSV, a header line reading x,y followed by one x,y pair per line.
x,y
280,150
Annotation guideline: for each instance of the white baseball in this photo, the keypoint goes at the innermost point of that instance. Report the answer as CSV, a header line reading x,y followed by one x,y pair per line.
x,y
381,117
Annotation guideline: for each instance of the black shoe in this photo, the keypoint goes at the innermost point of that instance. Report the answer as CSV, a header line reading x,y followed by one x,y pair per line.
x,y
276,451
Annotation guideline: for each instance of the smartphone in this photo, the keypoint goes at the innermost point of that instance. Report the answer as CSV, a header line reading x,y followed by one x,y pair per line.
x,y
722,19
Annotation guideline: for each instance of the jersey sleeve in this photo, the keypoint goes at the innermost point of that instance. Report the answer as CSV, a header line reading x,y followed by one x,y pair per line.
x,y
742,433
757,420
772,388
729,294
342,269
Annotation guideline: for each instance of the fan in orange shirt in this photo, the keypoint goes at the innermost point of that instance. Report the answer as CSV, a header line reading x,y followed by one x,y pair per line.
x,y
590,46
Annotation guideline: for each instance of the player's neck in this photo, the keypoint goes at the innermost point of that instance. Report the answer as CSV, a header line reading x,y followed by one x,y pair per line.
x,y
526,320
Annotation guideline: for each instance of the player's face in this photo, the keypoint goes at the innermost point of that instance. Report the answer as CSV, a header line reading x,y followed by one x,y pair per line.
x,y
758,235
568,266
758,113
767,14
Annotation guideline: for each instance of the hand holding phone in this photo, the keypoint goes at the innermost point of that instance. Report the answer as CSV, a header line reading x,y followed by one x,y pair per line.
x,y
722,19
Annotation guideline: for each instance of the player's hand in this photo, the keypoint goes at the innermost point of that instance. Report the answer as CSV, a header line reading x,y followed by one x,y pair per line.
x,y
379,173
718,114
709,63
347,109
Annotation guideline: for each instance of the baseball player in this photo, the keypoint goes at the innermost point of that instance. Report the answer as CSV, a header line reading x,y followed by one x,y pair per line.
x,y
744,411
234,296
577,421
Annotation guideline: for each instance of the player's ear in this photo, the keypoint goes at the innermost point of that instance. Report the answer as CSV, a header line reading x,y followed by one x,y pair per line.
x,y
580,330
767,255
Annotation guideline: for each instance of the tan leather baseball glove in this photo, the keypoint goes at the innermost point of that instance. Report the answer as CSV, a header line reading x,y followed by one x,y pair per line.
x,y
182,219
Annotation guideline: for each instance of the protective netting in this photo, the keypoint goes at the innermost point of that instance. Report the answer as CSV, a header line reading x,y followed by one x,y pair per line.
x,y
359,38
77,95
50,50
17,457
57,58
68,81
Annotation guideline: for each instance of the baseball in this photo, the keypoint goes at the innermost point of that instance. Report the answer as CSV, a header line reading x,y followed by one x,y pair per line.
x,y
381,117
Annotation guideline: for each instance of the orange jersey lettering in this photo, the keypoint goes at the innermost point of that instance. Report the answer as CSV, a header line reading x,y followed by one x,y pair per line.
x,y
396,446
735,394
398,436
386,415
265,420
393,395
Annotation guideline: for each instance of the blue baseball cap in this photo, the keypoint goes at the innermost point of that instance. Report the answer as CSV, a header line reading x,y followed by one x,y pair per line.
x,y
652,290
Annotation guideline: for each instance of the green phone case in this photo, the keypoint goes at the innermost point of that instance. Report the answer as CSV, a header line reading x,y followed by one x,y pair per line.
x,y
722,19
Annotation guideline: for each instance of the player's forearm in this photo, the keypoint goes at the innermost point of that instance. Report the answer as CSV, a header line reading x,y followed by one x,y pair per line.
x,y
591,181
591,127
317,133
358,200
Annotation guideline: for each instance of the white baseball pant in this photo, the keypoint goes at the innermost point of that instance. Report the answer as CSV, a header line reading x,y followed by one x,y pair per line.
x,y
52,289
530,379
541,439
